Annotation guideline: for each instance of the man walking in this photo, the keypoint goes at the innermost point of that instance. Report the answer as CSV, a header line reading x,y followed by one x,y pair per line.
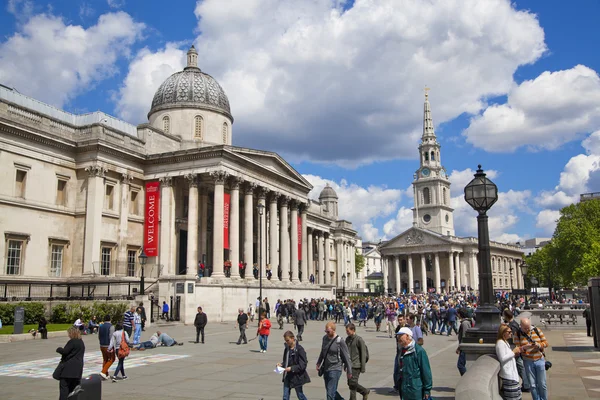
x,y
143,315
242,323
465,324
416,329
165,311
358,355
587,314
532,342
105,332
128,322
300,319
200,323
334,355
412,373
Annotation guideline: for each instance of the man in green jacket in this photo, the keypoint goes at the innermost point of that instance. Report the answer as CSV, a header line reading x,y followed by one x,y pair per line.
x,y
358,357
412,373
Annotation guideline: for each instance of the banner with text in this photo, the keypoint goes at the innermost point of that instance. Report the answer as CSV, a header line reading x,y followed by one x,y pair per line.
x,y
151,219
226,203
299,238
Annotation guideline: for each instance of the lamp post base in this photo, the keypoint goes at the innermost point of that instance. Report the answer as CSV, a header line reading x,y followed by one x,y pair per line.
x,y
481,339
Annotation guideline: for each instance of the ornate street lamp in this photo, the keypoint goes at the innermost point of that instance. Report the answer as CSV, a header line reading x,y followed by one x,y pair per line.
x,y
343,286
261,210
524,268
142,258
481,194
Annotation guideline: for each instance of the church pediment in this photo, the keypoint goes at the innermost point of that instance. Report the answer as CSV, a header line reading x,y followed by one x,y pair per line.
x,y
415,237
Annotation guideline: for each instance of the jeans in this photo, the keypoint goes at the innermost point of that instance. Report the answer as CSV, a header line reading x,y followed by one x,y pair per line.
x,y
107,359
262,340
522,372
137,334
287,390
461,364
332,379
300,331
536,372
120,367
145,345
199,332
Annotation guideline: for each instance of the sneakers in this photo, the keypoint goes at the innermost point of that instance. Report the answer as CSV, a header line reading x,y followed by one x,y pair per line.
x,y
104,376
78,389
124,377
113,378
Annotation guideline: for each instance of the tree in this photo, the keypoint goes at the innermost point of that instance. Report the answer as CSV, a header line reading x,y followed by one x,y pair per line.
x,y
359,261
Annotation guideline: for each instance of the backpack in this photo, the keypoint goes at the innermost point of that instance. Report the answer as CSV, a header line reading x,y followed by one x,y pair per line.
x,y
123,347
367,351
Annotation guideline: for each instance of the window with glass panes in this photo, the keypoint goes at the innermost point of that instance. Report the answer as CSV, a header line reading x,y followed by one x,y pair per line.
x,y
14,257
105,263
131,262
56,260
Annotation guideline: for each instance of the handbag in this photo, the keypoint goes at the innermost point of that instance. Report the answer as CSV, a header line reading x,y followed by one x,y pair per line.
x,y
58,371
123,347
322,367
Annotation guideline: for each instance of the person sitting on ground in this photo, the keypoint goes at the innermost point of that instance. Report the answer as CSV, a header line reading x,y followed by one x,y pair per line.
x,y
93,325
80,325
166,340
149,344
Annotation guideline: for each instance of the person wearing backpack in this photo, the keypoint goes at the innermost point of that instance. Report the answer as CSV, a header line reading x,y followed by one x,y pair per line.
x,y
359,356
334,358
118,344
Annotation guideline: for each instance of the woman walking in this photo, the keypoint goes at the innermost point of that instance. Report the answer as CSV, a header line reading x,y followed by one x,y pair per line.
x,y
115,344
137,319
264,329
294,362
509,375
70,369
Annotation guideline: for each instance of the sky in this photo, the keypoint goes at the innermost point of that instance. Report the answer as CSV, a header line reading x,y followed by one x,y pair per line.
x,y
337,88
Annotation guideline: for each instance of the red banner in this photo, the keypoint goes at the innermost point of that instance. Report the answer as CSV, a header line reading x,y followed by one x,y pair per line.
x,y
226,202
151,219
299,238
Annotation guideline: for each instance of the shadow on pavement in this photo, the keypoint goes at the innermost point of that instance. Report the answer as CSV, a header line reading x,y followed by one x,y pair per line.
x,y
442,389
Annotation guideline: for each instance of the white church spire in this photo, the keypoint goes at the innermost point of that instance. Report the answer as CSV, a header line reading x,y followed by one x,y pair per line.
x,y
428,131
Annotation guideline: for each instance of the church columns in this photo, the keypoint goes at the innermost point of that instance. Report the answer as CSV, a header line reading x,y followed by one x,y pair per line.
x,y
234,226
248,225
321,247
304,244
328,280
411,281
384,270
398,287
273,253
218,204
451,284
294,240
192,225
438,284
284,241
262,226
459,274
93,218
309,258
123,219
423,274
167,225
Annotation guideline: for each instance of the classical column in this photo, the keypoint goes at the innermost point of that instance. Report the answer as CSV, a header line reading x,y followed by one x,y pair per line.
x,y
262,225
218,204
93,218
519,273
459,274
304,256
397,275
204,212
436,263
273,256
411,280
123,221
321,257
327,260
476,264
166,221
234,226
248,225
451,271
423,274
192,238
310,257
384,270
294,240
284,241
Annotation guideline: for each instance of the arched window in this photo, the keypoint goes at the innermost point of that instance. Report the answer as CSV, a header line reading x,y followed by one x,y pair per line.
x,y
426,196
198,127
444,196
225,132
432,156
166,124
505,270
426,156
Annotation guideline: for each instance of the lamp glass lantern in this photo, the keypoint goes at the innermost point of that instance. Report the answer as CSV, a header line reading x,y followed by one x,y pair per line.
x,y
481,193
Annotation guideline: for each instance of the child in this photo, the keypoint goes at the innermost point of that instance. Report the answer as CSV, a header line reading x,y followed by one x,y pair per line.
x,y
264,329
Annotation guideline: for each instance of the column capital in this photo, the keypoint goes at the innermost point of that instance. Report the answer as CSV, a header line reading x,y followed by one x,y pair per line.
x,y
219,177
235,182
303,207
249,187
273,197
192,180
166,181
96,170
262,192
126,178
284,200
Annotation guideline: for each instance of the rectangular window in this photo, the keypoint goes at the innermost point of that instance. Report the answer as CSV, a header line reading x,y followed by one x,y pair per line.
x,y
133,199
131,262
56,260
106,261
20,182
109,195
61,193
14,257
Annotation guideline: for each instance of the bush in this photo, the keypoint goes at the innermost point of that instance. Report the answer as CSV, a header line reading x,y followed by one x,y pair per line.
x,y
33,312
68,313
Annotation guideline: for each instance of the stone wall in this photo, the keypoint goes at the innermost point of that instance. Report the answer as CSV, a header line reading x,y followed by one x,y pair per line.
x,y
480,381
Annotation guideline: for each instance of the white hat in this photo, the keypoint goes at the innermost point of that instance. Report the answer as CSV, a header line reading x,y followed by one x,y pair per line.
x,y
405,331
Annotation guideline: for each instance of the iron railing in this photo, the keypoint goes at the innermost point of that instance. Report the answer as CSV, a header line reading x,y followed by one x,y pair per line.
x,y
84,290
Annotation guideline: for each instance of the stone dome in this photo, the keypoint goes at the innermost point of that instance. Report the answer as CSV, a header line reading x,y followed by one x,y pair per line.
x,y
191,88
328,193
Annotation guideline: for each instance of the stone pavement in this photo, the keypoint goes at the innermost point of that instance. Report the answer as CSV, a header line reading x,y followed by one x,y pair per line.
x,y
220,369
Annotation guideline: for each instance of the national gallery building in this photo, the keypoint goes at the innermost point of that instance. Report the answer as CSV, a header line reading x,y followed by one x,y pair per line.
x,y
83,194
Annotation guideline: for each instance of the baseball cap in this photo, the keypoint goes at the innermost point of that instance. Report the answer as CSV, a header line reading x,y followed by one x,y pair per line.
x,y
405,331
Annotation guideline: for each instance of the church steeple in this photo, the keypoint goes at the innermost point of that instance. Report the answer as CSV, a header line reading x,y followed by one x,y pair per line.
x,y
431,185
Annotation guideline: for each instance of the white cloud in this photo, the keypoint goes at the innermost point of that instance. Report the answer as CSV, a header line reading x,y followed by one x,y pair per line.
x,y
403,221
53,62
369,233
85,11
116,3
21,9
544,113
299,73
546,222
146,73
460,179
555,200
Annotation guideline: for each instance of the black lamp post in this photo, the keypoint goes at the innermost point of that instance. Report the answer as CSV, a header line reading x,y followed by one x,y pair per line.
x,y
142,258
524,268
481,194
261,210
511,281
343,285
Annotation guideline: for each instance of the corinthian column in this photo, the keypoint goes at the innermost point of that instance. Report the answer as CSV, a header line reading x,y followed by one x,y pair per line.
x,y
321,248
284,241
459,274
438,285
234,226
423,274
397,274
262,226
384,269
166,222
93,218
294,240
309,257
273,256
411,280
451,267
327,262
248,225
304,256
192,239
218,204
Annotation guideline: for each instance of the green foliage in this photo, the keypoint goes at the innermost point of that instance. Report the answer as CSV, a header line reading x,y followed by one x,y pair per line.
x,y
9,329
359,261
33,312
68,313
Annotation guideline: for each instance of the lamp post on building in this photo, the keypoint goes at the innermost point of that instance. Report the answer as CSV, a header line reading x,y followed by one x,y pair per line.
x,y
481,194
261,210
142,258
524,268
343,286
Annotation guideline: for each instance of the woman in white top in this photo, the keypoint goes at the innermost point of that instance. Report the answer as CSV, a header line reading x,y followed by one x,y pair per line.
x,y
511,389
115,345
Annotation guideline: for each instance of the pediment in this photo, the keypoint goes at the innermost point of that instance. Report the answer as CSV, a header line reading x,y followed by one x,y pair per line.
x,y
414,237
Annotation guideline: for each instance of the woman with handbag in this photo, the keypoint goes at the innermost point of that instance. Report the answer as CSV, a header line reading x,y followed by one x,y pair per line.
x,y
294,362
118,344
70,368
511,389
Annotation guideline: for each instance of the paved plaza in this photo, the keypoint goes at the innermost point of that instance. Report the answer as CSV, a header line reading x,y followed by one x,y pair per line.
x,y
220,369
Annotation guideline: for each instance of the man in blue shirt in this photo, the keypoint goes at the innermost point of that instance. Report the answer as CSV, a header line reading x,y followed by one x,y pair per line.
x,y
128,321
165,311
451,317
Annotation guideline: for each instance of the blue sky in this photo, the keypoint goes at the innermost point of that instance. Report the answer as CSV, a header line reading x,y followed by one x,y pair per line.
x,y
337,89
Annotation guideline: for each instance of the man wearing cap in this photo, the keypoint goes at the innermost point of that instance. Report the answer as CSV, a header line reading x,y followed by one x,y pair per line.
x,y
412,373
